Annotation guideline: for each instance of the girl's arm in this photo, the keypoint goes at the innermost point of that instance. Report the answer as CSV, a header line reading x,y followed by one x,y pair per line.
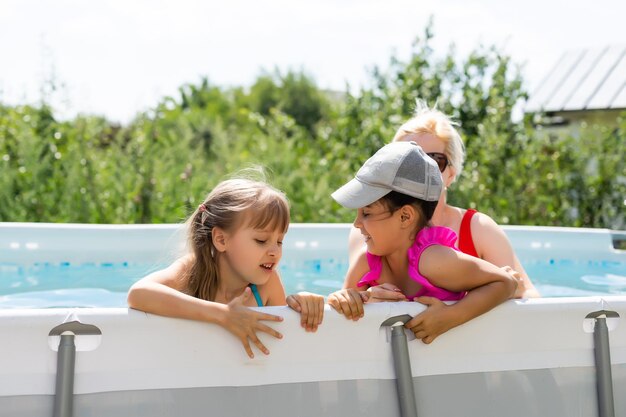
x,y
493,246
164,293
487,284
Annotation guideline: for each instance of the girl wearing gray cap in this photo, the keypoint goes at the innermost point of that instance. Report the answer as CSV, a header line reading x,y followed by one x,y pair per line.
x,y
395,193
478,234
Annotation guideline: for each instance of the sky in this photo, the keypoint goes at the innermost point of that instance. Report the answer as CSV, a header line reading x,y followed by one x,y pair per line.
x,y
118,57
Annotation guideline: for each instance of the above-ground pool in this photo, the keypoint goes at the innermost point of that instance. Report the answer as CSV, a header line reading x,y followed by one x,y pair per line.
x,y
540,357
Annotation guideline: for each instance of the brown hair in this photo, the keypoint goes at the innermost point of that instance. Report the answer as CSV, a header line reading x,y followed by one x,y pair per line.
x,y
394,201
228,206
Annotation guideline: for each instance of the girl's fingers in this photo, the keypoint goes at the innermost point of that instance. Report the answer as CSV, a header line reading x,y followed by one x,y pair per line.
x,y
304,314
258,343
311,317
338,303
331,301
293,303
356,303
346,305
335,304
386,294
427,301
267,329
247,347
316,316
269,317
420,334
319,308
391,296
390,287
315,311
413,323
320,312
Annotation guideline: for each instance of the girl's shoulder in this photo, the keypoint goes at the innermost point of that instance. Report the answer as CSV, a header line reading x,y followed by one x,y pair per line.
x,y
183,265
179,272
174,275
435,235
186,261
431,236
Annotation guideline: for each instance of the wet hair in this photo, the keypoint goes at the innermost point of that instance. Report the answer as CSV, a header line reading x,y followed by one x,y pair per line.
x,y
232,204
394,201
434,122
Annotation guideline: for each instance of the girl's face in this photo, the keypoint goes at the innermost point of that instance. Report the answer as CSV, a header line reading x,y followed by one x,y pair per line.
x,y
251,255
379,227
433,145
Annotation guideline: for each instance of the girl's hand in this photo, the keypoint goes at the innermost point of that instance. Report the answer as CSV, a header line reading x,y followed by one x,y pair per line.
x,y
437,319
517,277
385,292
349,302
311,309
244,323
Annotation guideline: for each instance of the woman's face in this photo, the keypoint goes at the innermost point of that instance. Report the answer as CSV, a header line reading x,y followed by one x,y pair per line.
x,y
431,144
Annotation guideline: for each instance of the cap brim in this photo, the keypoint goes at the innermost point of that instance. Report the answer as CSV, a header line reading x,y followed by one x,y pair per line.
x,y
356,194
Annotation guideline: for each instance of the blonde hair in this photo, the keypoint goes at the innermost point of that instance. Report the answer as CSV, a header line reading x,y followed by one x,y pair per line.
x,y
228,206
434,122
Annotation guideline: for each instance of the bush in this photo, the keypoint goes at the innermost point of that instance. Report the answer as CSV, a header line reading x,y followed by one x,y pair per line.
x,y
158,167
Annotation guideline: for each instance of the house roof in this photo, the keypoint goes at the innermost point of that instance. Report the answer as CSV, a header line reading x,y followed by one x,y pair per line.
x,y
583,79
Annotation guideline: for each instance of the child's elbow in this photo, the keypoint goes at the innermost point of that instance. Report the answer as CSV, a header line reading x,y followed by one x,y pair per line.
x,y
131,297
134,297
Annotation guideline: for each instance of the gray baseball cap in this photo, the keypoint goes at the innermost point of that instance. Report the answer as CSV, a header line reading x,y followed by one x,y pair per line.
x,y
398,166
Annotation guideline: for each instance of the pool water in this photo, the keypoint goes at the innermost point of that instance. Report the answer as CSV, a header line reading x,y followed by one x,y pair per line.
x,y
48,285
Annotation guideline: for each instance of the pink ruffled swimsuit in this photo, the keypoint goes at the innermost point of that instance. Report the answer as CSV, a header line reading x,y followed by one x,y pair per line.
x,y
426,237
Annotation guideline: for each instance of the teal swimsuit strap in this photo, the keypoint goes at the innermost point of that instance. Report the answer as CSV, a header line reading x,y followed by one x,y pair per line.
x,y
257,296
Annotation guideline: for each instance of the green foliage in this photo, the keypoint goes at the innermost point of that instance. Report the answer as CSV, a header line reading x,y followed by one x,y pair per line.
x,y
294,94
159,167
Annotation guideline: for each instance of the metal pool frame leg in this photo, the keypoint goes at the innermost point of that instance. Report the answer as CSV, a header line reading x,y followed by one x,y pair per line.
x,y
402,365
64,389
602,353
66,359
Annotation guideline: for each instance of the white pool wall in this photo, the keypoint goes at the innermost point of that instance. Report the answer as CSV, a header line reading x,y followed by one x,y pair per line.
x,y
519,352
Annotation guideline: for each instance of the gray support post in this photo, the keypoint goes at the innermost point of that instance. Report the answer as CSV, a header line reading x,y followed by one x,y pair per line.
x,y
606,406
602,354
402,365
64,390
66,359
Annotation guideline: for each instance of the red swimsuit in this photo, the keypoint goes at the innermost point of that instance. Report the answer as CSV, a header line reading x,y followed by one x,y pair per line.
x,y
466,242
